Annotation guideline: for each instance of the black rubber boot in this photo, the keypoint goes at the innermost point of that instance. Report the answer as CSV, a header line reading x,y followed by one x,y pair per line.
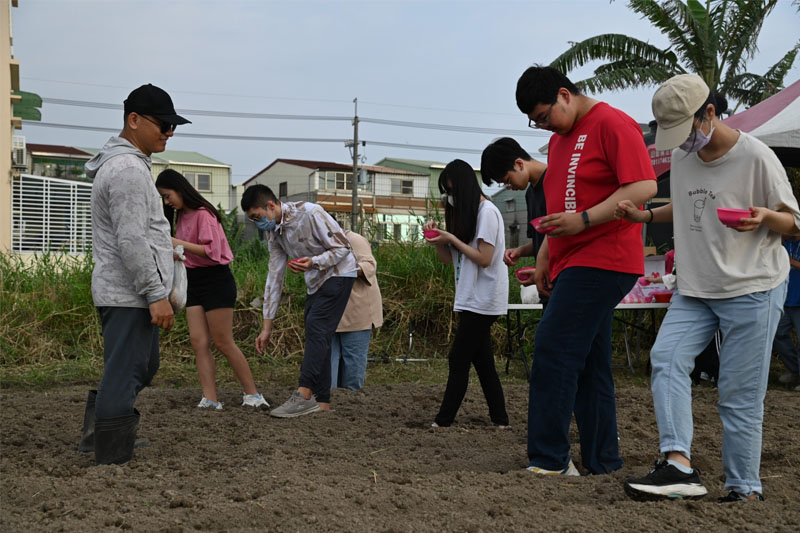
x,y
114,439
87,439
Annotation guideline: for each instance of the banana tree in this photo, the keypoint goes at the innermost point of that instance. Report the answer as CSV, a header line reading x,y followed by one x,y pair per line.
x,y
714,40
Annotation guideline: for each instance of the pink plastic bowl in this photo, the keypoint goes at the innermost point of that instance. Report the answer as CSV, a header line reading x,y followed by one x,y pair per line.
x,y
524,273
430,233
662,297
732,217
535,223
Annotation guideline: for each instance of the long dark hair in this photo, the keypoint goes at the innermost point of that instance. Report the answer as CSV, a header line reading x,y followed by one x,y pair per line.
x,y
174,181
459,180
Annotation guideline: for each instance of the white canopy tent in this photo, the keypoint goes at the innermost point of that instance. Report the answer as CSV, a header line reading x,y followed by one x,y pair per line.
x,y
776,122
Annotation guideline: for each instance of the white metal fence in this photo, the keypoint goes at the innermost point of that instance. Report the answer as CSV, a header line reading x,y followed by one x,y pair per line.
x,y
50,214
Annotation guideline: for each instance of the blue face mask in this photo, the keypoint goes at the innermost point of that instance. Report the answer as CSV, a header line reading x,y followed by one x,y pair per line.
x,y
697,141
265,224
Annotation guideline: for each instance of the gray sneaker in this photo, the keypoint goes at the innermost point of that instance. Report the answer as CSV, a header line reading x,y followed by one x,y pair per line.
x,y
296,405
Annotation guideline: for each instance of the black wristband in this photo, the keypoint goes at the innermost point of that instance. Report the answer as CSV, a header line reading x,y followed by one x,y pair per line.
x,y
651,216
585,217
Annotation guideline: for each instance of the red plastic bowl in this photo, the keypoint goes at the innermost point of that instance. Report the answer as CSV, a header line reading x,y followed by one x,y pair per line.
x,y
662,297
535,223
524,273
732,217
430,233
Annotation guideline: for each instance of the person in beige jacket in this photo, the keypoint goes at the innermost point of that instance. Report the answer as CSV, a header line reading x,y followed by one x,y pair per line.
x,y
364,311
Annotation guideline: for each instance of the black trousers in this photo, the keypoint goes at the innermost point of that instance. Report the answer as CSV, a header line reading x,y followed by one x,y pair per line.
x,y
323,311
131,359
472,346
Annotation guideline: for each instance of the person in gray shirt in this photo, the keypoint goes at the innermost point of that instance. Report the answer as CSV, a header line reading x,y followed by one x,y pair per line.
x,y
133,268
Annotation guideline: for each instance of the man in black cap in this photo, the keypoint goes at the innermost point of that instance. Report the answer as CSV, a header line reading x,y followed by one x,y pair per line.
x,y
132,276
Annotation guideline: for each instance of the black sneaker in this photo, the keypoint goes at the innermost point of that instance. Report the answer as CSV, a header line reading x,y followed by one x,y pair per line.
x,y
734,496
666,482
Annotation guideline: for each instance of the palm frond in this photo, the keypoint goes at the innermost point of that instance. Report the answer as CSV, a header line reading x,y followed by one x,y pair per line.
x,y
741,28
750,89
672,18
622,75
611,47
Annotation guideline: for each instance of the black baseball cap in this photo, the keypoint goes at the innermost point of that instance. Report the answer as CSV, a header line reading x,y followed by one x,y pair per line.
x,y
154,101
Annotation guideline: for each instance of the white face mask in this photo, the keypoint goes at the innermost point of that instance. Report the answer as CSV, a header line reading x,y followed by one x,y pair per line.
x,y
451,200
697,140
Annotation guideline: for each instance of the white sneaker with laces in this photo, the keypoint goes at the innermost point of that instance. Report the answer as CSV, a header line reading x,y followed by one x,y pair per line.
x,y
570,470
254,400
205,403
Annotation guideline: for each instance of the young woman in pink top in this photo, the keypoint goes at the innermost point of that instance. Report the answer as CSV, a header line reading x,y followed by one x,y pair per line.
x,y
211,292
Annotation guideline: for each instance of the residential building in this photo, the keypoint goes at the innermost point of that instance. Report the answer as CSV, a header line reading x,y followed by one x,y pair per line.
x,y
9,81
210,177
51,194
433,169
392,202
514,209
54,161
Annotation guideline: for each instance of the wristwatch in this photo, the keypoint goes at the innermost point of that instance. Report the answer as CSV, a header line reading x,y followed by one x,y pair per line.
x,y
585,217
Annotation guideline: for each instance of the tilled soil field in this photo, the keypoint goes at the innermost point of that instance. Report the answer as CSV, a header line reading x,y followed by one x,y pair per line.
x,y
373,464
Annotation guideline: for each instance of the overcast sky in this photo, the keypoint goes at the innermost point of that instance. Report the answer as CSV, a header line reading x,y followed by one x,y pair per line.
x,y
452,62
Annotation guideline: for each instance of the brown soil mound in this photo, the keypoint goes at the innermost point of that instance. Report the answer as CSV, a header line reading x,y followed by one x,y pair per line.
x,y
374,464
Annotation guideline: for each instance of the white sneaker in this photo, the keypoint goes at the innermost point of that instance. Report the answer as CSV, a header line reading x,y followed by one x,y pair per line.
x,y
788,377
570,470
254,400
205,403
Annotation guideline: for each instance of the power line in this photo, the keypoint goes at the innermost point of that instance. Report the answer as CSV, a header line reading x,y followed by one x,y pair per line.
x,y
448,127
424,147
276,116
198,112
284,98
200,93
262,138
190,135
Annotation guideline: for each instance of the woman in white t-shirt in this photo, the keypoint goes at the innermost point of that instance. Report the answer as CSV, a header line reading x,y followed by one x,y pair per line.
x,y
474,243
732,277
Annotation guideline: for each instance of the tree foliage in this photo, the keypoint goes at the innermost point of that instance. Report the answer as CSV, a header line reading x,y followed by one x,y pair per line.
x,y
715,40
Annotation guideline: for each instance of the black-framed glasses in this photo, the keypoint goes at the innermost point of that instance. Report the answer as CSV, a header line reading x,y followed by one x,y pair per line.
x,y
163,126
543,123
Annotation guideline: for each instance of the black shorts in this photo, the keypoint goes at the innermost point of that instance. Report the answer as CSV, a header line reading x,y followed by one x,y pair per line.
x,y
212,287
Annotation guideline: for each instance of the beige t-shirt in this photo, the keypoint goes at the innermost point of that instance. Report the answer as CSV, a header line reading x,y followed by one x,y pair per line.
x,y
713,260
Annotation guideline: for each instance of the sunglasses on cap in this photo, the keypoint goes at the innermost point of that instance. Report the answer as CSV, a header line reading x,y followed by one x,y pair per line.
x,y
164,126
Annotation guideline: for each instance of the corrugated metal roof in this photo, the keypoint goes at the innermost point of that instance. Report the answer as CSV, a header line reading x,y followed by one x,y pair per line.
x,y
418,162
329,165
56,149
180,156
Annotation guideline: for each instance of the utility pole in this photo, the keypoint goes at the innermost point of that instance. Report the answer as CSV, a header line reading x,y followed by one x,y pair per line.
x,y
354,222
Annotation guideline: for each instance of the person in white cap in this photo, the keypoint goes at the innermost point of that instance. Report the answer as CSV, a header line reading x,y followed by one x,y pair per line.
x,y
731,278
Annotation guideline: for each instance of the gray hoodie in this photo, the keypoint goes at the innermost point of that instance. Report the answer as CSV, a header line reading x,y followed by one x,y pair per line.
x,y
131,239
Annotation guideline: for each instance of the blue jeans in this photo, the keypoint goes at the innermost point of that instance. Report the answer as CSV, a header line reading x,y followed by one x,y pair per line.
x,y
349,359
130,359
571,371
784,344
748,325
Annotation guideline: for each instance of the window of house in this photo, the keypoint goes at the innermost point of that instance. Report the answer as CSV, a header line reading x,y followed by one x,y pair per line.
x,y
344,180
200,181
398,232
402,187
283,190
